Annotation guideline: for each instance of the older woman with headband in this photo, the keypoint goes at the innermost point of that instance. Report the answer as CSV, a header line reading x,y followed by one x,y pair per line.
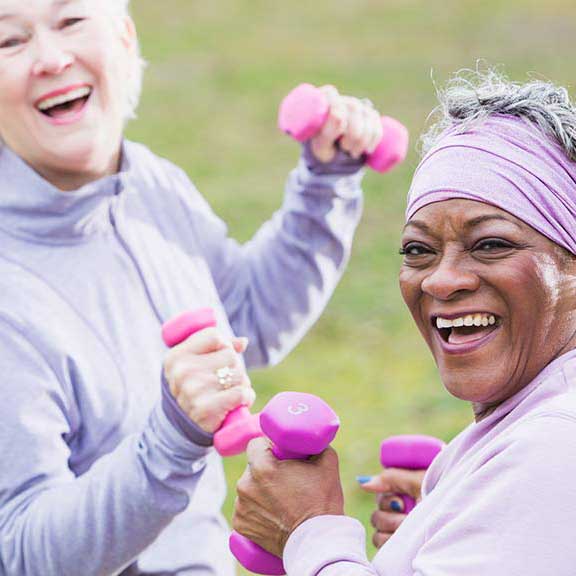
x,y
104,470
490,236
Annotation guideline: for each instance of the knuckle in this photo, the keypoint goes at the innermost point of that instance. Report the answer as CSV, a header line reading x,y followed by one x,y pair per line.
x,y
242,489
213,338
229,357
332,457
184,373
330,91
262,471
200,407
235,396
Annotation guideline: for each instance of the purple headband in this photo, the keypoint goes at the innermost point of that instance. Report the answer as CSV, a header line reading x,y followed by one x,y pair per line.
x,y
509,163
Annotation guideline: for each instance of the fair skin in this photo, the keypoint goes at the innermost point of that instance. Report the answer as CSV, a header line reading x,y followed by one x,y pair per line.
x,y
77,52
460,257
52,46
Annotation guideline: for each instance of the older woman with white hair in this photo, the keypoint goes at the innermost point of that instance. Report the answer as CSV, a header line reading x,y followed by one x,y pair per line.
x,y
489,275
106,470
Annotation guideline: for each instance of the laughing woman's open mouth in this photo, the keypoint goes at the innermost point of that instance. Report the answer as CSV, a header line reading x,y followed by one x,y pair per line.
x,y
65,105
466,332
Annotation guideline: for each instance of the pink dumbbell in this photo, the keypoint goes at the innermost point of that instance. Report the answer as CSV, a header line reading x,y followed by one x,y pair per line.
x,y
305,110
298,424
414,452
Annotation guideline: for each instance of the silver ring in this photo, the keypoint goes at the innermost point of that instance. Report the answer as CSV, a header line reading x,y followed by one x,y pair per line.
x,y
225,377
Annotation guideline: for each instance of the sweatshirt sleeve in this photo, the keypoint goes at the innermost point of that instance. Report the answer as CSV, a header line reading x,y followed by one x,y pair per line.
x,y
516,513
275,286
328,546
53,521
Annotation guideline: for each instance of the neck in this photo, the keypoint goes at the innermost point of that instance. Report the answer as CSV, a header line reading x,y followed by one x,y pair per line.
x,y
69,180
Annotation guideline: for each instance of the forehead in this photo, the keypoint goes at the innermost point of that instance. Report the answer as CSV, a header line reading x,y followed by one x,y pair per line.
x,y
38,7
460,215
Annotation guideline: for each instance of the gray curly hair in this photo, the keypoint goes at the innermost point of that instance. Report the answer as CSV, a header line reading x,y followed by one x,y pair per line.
x,y
473,95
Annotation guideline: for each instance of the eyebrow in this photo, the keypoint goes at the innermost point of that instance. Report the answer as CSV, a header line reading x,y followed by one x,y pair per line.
x,y
468,224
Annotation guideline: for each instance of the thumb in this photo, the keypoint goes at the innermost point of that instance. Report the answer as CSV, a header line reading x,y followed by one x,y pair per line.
x,y
396,481
240,344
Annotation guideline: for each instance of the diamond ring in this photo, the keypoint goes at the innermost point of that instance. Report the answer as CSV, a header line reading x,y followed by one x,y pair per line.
x,y
225,377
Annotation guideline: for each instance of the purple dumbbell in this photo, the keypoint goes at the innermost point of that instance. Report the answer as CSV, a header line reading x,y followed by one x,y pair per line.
x,y
304,111
411,451
298,424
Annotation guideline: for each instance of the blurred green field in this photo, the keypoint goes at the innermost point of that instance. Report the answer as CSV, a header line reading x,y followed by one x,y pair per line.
x,y
217,73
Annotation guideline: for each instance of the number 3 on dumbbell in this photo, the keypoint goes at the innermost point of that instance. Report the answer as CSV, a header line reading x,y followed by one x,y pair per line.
x,y
300,408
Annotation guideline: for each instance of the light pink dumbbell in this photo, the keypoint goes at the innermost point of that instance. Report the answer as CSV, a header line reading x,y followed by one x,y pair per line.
x,y
411,451
298,424
304,111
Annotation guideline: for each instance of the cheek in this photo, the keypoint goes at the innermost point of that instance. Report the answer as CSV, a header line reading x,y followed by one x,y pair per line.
x,y
409,283
15,109
537,285
13,86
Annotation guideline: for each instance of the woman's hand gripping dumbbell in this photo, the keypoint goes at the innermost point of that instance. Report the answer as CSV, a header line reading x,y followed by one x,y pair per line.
x,y
405,459
323,116
298,425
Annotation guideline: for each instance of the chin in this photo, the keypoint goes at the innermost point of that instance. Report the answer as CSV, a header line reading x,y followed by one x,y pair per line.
x,y
81,155
471,384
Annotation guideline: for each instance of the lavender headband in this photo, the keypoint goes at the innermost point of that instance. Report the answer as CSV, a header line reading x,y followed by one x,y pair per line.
x,y
509,163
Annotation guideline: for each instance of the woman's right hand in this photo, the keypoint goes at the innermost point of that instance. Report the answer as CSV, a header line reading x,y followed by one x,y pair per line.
x,y
190,369
390,508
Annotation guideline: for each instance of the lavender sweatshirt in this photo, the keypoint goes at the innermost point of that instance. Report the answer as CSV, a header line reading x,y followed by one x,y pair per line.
x,y
96,477
499,500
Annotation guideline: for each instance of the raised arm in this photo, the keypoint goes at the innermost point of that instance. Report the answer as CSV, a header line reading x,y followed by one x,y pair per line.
x,y
275,286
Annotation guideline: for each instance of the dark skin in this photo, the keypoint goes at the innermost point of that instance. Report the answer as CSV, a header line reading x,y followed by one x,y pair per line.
x,y
460,257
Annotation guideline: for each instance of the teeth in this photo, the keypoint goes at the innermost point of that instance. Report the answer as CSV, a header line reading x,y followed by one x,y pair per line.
x,y
63,98
468,320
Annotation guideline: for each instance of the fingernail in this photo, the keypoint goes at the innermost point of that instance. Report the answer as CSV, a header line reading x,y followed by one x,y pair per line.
x,y
363,479
396,506
242,341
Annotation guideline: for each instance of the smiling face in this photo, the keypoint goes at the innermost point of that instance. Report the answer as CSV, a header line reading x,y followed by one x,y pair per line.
x,y
63,87
494,299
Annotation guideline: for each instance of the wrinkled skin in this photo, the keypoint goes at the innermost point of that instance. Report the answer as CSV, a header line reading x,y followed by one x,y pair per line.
x,y
276,496
460,256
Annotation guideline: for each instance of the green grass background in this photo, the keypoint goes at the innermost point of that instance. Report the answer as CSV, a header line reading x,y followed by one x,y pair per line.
x,y
218,70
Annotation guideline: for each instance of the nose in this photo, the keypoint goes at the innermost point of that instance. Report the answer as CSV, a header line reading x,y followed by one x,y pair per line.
x,y
51,56
450,279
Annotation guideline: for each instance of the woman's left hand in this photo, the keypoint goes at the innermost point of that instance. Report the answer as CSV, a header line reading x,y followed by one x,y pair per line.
x,y
276,496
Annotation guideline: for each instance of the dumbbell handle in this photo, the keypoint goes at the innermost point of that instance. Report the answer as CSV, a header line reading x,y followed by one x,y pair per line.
x,y
305,110
239,426
414,452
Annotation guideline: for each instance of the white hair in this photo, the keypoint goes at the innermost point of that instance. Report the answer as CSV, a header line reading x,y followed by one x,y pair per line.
x,y
120,10
473,95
